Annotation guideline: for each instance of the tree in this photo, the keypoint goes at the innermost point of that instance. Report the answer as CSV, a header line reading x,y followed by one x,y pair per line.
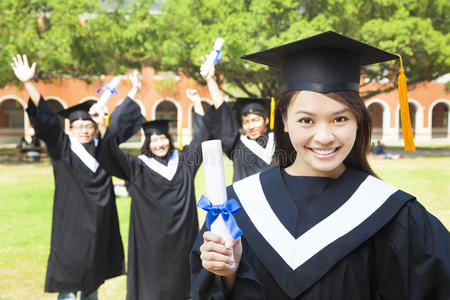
x,y
418,30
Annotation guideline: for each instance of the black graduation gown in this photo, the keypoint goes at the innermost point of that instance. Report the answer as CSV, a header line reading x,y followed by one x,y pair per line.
x,y
249,156
354,237
163,217
86,246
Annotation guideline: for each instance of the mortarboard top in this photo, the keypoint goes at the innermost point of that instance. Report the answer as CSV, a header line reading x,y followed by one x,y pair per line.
x,y
244,106
323,63
77,112
156,127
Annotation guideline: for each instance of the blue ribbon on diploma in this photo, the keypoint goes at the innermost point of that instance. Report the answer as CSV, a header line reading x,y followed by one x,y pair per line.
x,y
226,209
107,87
218,57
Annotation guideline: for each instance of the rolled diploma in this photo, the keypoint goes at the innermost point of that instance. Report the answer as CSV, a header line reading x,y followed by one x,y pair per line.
x,y
215,183
212,56
107,93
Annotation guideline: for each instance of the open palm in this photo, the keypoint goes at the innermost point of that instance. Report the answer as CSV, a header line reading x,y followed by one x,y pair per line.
x,y
21,69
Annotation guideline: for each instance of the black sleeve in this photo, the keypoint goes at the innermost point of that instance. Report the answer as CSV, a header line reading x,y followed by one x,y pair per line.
x,y
206,285
420,265
115,161
123,124
125,119
222,125
47,127
192,154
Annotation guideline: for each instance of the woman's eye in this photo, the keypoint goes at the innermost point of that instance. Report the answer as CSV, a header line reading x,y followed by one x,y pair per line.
x,y
305,121
340,119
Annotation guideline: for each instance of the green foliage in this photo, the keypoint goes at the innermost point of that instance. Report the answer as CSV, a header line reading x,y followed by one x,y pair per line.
x,y
85,38
418,30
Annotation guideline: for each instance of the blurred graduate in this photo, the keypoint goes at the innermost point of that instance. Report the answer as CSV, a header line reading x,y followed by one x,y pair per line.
x,y
251,151
163,217
86,246
321,224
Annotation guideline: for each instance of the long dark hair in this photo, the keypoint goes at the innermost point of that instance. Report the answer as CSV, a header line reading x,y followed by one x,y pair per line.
x,y
145,149
285,153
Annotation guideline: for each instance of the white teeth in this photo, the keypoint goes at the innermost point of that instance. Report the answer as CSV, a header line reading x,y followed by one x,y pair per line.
x,y
324,152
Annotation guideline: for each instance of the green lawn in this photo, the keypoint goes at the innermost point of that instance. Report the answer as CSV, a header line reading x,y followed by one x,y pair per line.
x,y
26,204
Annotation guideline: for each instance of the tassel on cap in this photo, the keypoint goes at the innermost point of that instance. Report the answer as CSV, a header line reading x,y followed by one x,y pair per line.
x,y
272,113
180,136
404,109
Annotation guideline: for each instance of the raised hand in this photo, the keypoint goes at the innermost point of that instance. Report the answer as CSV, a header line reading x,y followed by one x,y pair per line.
x,y
134,78
98,113
211,72
193,95
21,68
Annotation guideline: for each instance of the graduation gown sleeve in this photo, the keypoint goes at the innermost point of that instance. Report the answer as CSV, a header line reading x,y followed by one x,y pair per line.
x,y
123,125
47,127
222,125
192,153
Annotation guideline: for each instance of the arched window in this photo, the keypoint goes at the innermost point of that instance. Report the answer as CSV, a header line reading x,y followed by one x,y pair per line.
x,y
56,106
376,113
439,120
12,121
168,110
412,116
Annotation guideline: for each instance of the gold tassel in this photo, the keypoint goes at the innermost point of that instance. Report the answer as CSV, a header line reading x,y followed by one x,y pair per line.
x,y
404,109
272,113
180,136
107,120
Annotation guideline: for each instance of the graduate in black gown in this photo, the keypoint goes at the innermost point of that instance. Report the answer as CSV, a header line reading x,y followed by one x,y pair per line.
x,y
163,217
86,246
251,151
321,225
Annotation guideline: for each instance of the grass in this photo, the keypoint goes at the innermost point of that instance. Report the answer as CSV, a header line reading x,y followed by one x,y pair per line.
x,y
26,192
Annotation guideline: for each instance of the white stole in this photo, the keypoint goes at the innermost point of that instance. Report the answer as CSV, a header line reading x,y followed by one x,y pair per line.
x,y
166,171
370,195
265,154
82,153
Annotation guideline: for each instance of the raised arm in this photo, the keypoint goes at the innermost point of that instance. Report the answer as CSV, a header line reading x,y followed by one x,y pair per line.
x,y
213,87
193,95
25,74
134,78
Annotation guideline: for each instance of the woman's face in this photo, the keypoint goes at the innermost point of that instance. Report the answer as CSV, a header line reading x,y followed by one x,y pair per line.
x,y
322,132
159,145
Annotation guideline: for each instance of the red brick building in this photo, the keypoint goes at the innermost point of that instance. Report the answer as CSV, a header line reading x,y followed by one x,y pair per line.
x,y
429,105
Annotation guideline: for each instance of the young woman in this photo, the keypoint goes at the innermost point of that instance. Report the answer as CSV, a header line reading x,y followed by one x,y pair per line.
x,y
163,217
321,225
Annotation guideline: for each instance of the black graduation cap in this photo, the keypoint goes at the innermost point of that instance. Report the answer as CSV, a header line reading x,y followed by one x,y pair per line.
x,y
77,112
156,127
244,106
323,63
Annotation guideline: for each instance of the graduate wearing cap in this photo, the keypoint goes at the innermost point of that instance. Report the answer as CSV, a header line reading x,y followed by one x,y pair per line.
x,y
321,224
251,151
163,218
86,246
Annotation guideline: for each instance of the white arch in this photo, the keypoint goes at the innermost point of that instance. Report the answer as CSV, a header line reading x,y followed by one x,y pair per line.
x,y
28,131
138,102
419,129
89,98
177,106
386,114
60,100
430,114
